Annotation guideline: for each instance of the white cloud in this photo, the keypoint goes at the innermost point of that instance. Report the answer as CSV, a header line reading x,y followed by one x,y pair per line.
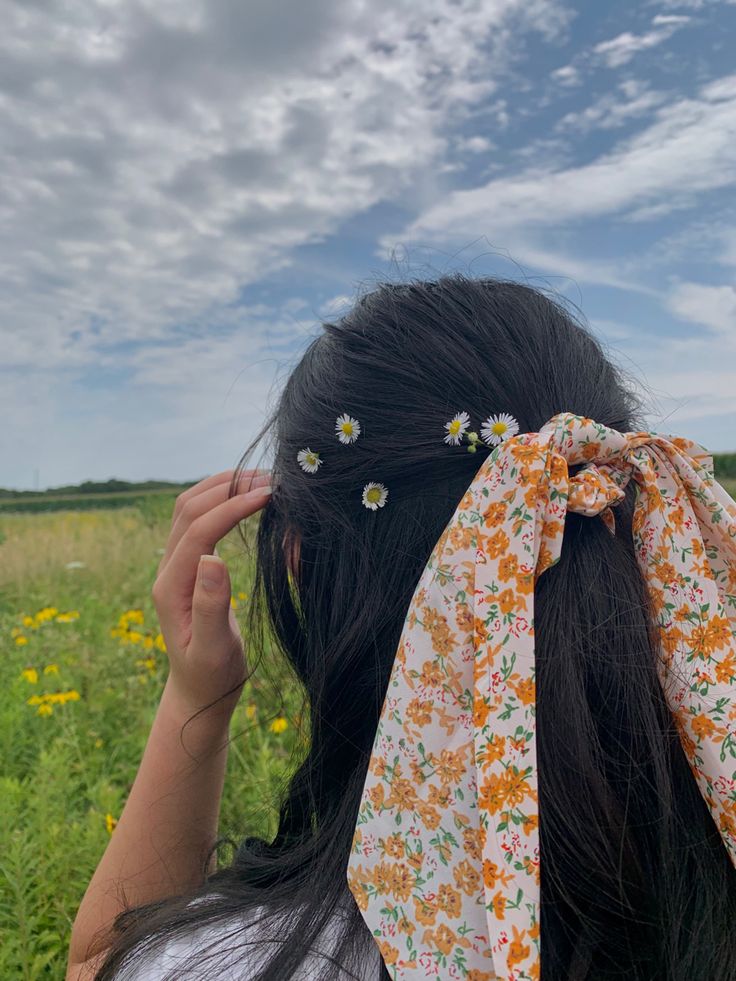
x,y
692,377
336,306
617,274
690,384
712,306
670,19
686,383
690,148
568,75
473,144
688,4
157,157
622,48
183,408
611,111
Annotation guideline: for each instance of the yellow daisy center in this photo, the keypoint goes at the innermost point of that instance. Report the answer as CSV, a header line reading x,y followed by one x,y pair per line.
x,y
455,427
499,428
347,428
374,495
311,458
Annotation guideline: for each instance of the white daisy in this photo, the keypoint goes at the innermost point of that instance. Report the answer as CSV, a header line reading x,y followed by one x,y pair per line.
x,y
347,429
374,495
309,460
498,428
456,427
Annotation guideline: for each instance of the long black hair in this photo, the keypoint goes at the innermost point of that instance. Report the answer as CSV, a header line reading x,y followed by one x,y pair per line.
x,y
635,882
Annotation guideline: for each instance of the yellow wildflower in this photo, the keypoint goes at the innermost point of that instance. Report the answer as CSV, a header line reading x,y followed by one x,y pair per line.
x,y
279,725
149,663
99,743
30,674
51,669
242,596
233,603
134,616
250,711
67,617
62,697
21,640
110,823
47,613
35,699
28,621
45,709
160,642
16,632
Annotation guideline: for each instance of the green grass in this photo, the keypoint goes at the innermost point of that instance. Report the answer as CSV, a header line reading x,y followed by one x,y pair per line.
x,y
63,773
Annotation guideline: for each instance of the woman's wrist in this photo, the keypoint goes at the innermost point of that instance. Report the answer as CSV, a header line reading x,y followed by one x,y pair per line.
x,y
200,727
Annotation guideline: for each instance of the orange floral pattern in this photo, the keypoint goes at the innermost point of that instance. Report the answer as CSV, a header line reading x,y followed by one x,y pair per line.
x,y
445,857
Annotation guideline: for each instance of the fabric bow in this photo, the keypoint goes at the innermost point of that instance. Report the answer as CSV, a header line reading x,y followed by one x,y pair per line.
x,y
444,863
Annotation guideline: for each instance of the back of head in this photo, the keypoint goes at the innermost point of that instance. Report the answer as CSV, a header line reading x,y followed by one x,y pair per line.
x,y
635,881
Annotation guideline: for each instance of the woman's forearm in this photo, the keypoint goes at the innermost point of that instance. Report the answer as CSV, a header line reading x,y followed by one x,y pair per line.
x,y
169,822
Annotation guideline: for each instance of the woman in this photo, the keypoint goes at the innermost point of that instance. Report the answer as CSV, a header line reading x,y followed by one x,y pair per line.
x,y
635,881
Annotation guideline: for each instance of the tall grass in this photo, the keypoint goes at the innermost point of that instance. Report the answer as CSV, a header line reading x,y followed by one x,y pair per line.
x,y
77,623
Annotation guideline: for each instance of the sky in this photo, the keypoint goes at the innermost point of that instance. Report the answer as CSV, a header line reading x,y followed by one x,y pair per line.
x,y
188,188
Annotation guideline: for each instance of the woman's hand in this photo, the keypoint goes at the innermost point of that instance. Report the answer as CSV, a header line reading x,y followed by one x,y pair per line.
x,y
203,641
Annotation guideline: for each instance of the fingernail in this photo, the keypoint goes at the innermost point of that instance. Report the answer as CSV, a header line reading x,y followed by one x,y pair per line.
x,y
211,571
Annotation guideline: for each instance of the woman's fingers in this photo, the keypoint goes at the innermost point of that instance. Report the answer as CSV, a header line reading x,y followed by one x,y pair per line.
x,y
204,501
205,484
224,477
174,586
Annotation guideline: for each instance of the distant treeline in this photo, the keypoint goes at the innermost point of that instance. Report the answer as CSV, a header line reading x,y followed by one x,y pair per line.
x,y
91,495
97,487
724,464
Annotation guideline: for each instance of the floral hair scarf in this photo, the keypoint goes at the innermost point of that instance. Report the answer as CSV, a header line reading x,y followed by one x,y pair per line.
x,y
445,857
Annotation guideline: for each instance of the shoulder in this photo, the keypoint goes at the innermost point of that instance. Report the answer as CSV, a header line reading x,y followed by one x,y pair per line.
x,y
229,950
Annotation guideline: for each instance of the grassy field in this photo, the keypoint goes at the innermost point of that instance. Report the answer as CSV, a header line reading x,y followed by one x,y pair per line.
x,y
82,665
